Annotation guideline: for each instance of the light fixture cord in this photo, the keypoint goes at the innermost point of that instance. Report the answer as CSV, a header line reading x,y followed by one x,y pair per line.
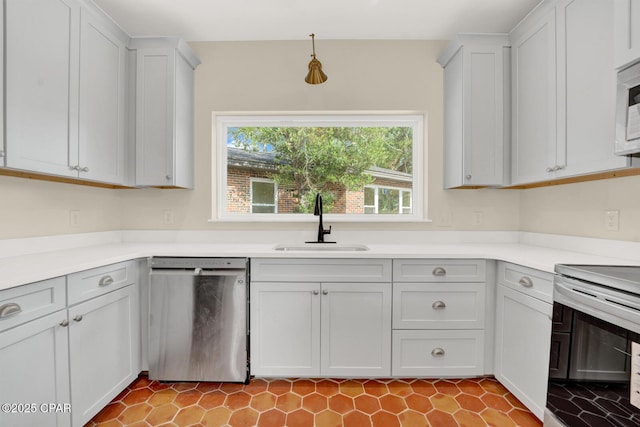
x,y
313,44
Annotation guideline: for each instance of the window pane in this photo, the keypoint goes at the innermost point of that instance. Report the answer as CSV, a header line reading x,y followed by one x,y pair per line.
x,y
263,193
347,160
369,196
388,201
263,209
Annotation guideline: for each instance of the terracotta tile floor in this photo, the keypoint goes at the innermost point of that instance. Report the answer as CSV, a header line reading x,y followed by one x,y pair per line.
x,y
319,403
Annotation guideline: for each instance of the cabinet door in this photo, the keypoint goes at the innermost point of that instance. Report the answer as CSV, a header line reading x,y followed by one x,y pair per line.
x,y
533,55
35,369
586,88
627,32
104,347
102,101
41,66
523,339
356,329
285,329
155,86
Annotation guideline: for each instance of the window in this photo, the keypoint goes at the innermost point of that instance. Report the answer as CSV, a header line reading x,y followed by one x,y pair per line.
x,y
264,196
387,200
367,167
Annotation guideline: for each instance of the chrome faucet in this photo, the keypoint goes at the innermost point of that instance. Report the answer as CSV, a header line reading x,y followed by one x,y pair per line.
x,y
317,211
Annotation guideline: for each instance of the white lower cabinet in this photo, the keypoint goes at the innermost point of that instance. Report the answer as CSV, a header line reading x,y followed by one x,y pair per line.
x,y
104,343
523,339
329,327
438,353
77,357
438,320
321,329
35,370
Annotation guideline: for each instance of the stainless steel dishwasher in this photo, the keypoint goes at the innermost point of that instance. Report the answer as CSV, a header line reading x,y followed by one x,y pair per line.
x,y
198,319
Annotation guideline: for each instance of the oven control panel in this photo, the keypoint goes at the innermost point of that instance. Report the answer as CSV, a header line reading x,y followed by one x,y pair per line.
x,y
635,374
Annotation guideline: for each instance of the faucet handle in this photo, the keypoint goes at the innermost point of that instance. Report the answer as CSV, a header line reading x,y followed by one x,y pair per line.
x,y
327,231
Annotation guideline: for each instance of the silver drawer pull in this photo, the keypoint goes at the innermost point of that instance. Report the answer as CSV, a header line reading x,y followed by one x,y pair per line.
x,y
437,352
526,282
439,271
78,318
105,281
438,304
316,292
8,310
325,292
64,323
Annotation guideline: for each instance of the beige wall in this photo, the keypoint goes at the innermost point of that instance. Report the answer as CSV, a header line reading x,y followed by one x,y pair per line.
x,y
363,75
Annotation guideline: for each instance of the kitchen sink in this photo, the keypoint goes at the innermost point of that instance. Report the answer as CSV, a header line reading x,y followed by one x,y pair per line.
x,y
337,247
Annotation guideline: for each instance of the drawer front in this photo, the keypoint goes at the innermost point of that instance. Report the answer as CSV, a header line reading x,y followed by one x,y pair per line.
x,y
98,281
24,303
438,305
437,353
320,270
439,270
536,283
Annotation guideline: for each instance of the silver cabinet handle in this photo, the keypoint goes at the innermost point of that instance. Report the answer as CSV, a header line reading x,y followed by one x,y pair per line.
x,y
468,177
8,310
526,282
316,292
438,305
439,271
550,169
1,153
437,352
169,177
84,169
106,281
325,292
78,318
64,323
74,168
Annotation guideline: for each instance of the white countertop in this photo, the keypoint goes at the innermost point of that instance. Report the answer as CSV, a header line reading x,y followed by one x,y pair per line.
x,y
32,267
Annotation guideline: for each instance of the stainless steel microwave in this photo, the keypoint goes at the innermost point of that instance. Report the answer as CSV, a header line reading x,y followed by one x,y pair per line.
x,y
628,111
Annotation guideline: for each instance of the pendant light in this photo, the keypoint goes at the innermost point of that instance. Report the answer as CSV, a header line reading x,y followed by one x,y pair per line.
x,y
315,75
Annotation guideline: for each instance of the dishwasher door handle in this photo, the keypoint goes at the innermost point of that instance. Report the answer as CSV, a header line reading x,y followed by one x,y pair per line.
x,y
198,272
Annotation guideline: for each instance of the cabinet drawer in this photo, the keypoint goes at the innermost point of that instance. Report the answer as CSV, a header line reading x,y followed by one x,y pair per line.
x,y
437,353
538,284
97,281
28,302
438,270
438,305
320,270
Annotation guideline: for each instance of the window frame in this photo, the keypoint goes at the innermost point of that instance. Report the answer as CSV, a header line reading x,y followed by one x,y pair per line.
x,y
223,121
376,198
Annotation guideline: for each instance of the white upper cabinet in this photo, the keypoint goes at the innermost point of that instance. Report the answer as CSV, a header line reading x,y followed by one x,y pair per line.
x,y
627,32
103,114
476,82
41,63
563,89
65,90
533,115
164,112
586,88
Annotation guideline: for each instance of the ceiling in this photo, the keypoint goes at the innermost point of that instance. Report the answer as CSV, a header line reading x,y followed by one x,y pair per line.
x,y
223,20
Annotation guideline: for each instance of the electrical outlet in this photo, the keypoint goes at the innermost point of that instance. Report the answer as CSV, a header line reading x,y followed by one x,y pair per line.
x,y
167,217
612,220
478,218
74,218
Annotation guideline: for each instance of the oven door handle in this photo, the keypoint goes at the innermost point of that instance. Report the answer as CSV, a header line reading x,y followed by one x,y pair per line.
x,y
615,307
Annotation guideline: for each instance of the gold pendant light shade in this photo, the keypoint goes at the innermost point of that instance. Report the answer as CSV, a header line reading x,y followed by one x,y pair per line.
x,y
315,75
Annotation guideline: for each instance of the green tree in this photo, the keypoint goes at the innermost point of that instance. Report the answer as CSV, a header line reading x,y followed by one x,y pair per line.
x,y
314,160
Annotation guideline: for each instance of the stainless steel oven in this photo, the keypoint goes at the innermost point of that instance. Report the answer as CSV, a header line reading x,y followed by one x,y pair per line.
x,y
594,367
